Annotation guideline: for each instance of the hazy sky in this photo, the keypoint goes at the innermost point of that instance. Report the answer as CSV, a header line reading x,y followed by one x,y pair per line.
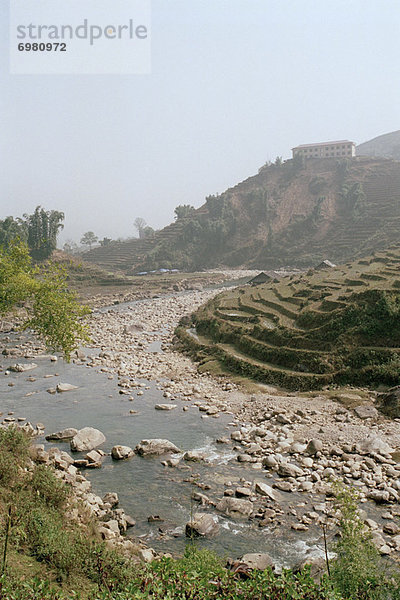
x,y
233,84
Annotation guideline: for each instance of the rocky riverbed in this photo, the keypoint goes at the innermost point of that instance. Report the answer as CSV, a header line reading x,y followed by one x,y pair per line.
x,y
282,450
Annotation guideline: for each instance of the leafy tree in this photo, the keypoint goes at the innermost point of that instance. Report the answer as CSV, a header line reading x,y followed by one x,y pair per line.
x,y
89,238
140,225
42,227
105,241
70,246
278,161
183,210
53,311
10,229
148,232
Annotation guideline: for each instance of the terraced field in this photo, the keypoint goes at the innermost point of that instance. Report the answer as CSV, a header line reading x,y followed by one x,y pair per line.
x,y
336,326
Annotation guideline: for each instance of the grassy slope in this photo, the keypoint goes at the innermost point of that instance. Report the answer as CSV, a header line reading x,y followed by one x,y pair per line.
x,y
339,325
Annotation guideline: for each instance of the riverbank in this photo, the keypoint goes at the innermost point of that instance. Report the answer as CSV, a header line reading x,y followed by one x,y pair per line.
x,y
274,484
296,443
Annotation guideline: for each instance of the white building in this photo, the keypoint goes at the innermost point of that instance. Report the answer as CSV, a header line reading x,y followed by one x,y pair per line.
x,y
340,149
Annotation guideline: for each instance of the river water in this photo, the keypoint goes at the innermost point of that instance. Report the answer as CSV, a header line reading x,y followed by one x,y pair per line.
x,y
144,486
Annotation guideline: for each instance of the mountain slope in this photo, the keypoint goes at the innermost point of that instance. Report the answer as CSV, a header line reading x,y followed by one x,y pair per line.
x,y
295,214
339,325
386,146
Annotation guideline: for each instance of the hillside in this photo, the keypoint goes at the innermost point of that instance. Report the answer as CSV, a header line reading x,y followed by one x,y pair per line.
x,y
295,214
339,325
386,146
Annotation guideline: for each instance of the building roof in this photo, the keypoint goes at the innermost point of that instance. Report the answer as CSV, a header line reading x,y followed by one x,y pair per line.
x,y
324,144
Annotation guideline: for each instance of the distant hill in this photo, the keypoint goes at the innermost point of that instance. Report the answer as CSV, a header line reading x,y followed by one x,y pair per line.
x,y
386,146
295,214
337,325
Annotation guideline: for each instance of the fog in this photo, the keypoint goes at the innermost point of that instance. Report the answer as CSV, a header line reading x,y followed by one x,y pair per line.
x,y
233,83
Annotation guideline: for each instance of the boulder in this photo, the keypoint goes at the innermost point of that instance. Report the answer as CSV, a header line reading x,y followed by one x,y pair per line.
x,y
63,435
366,411
379,496
165,406
389,403
65,387
203,525
111,498
229,506
22,367
266,490
121,452
287,469
93,459
194,455
86,439
314,446
373,444
156,446
257,561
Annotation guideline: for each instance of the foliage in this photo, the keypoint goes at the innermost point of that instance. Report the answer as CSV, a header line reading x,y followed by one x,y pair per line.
x,y
183,210
89,238
105,241
54,312
140,225
11,229
358,571
42,227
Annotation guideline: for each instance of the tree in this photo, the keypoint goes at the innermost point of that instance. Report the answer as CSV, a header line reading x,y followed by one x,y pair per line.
x,y
183,210
105,241
148,232
70,246
140,225
42,227
88,239
10,229
53,311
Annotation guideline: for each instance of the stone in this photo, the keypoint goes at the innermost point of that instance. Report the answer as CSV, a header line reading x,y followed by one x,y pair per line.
x,y
111,498
156,446
22,367
165,406
366,411
94,457
373,444
284,486
146,554
63,435
242,492
266,490
194,455
229,506
87,439
389,402
287,469
121,452
391,528
270,461
203,525
379,496
259,561
314,446
65,387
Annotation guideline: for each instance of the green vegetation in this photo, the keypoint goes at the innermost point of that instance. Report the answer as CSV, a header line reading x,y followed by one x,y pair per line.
x,y
89,238
50,551
38,230
358,571
50,309
337,326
